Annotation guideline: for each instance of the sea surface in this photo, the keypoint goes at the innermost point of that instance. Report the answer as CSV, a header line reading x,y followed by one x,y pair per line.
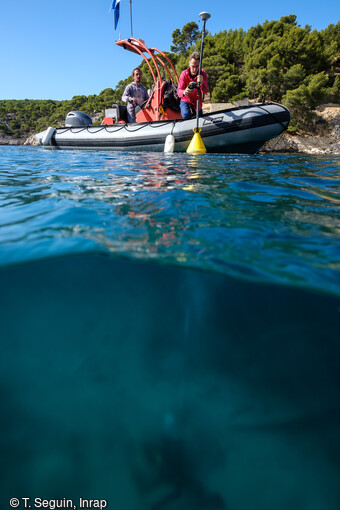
x,y
169,330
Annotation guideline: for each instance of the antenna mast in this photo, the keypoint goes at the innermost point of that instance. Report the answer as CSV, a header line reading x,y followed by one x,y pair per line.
x,y
131,17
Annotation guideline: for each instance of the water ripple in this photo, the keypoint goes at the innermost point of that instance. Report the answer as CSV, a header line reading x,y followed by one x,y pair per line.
x,y
272,218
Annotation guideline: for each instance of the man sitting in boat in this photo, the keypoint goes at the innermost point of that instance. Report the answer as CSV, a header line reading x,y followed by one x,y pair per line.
x,y
134,94
187,87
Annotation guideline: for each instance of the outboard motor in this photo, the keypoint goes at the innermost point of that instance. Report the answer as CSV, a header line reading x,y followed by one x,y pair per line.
x,y
77,119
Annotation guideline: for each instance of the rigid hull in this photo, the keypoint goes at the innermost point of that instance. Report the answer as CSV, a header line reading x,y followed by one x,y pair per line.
x,y
237,130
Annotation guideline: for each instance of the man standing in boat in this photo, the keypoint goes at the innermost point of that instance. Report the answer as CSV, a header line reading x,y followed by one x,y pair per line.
x,y
187,87
135,94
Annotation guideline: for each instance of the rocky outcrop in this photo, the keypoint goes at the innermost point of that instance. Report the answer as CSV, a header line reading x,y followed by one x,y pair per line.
x,y
31,140
325,141
10,140
306,144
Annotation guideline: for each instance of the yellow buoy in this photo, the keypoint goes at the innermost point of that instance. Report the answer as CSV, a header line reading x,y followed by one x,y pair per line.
x,y
196,146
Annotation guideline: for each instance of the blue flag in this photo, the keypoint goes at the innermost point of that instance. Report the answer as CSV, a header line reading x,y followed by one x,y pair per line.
x,y
115,7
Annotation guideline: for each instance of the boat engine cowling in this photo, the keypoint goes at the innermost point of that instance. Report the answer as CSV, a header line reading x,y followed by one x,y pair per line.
x,y
77,119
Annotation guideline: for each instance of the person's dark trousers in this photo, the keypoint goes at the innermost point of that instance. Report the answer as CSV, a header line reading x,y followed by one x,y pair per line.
x,y
188,111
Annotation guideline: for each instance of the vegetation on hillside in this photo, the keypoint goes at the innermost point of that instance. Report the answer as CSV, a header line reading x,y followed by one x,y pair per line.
x,y
277,61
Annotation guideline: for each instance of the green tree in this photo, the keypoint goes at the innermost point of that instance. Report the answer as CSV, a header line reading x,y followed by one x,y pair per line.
x,y
215,67
227,89
294,77
331,43
185,39
303,100
333,92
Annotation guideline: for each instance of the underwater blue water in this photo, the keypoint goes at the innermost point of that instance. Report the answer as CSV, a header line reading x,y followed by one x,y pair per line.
x,y
170,330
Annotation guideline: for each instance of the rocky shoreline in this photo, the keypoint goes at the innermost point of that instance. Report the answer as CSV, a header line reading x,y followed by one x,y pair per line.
x,y
303,144
326,141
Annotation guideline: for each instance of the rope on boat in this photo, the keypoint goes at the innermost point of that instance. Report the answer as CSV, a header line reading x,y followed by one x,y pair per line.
x,y
117,127
272,115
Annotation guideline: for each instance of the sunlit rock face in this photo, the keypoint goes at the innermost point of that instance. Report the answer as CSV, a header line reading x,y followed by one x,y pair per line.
x,y
326,140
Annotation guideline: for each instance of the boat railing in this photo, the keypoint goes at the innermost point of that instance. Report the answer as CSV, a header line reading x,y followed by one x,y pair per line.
x,y
157,56
153,109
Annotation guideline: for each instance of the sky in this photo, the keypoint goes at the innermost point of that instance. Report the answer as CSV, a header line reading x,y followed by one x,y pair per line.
x,y
57,50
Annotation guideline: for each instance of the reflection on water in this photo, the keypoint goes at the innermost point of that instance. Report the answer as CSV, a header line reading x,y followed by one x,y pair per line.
x,y
266,218
159,388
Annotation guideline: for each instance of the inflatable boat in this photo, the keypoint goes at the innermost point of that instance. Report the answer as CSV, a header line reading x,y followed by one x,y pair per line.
x,y
240,129
237,130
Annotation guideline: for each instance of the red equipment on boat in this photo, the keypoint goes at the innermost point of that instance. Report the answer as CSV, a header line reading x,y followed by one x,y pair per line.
x,y
154,109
